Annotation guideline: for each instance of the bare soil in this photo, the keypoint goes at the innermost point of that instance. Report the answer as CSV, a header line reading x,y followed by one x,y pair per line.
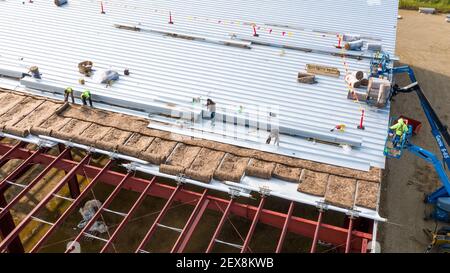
x,y
423,42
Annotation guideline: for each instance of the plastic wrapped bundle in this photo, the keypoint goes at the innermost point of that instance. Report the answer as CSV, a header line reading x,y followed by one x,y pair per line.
x,y
107,76
354,45
351,37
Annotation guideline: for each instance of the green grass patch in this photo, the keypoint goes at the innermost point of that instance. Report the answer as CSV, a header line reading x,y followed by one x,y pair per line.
x,y
439,5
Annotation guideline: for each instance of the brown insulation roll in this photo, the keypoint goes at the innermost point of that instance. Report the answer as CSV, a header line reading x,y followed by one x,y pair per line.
x,y
261,169
169,169
286,173
152,158
131,151
16,131
199,175
40,131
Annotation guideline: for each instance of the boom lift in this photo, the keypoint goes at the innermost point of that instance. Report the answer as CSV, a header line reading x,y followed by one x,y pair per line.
x,y
440,197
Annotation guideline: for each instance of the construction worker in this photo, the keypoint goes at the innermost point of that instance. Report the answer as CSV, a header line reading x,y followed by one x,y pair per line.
x,y
275,134
68,92
340,127
400,128
86,95
211,106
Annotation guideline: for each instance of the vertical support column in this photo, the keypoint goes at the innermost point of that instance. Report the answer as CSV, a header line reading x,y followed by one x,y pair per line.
x,y
73,185
316,232
285,228
7,226
364,245
349,235
254,222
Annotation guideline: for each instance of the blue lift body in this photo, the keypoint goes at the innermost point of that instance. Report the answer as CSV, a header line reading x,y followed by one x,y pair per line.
x,y
440,197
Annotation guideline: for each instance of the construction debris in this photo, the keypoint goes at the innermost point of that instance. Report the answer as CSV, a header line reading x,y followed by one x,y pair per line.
x,y
87,212
322,70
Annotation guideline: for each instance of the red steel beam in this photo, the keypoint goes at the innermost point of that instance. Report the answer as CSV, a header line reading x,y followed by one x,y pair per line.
x,y
219,227
6,241
11,150
193,226
18,169
316,232
7,225
192,222
349,235
74,187
304,227
365,242
125,220
30,185
105,204
162,213
72,206
285,228
253,225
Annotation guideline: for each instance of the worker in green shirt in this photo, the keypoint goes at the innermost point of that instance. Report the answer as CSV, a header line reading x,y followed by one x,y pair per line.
x,y
68,92
86,95
400,128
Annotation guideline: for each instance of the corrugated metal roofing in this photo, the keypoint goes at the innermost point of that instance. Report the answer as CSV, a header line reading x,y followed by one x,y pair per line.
x,y
176,70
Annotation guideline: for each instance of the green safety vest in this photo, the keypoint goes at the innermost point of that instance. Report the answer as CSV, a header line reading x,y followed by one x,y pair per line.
x,y
86,94
400,128
68,90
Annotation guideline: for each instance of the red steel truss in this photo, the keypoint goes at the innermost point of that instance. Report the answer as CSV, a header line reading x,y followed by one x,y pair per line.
x,y
352,239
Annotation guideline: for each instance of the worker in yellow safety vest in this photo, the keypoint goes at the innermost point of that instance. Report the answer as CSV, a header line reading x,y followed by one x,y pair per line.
x,y
68,92
400,128
86,95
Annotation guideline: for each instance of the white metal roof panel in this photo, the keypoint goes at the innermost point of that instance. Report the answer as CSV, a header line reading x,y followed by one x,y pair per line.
x,y
175,70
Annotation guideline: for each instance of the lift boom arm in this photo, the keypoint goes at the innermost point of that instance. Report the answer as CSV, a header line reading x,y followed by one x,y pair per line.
x,y
439,130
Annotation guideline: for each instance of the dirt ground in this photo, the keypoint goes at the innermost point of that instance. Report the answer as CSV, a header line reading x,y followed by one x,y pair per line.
x,y
423,42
